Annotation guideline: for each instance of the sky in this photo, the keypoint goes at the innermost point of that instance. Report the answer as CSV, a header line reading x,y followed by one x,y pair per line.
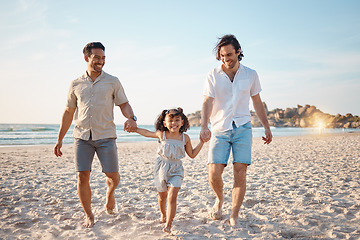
x,y
305,52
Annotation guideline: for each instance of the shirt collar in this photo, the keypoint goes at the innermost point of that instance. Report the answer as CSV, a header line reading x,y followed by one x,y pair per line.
x,y
219,69
86,76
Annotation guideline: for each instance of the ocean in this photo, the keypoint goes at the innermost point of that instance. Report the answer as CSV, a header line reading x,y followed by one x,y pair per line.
x,y
46,134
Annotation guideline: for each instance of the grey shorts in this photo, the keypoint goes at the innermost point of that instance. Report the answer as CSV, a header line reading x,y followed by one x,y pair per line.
x,y
105,149
168,173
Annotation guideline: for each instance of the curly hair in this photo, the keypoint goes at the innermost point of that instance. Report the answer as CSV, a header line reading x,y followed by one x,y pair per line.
x,y
159,124
226,40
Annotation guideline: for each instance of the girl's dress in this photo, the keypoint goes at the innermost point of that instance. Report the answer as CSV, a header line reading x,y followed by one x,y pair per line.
x,y
169,171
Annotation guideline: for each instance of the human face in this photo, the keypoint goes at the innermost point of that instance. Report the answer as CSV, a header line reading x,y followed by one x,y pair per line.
x,y
229,56
173,123
96,61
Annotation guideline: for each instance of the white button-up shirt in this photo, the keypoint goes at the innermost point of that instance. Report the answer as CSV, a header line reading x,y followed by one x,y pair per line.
x,y
231,99
94,103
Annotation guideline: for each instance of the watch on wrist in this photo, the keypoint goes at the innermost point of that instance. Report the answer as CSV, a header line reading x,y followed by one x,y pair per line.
x,y
134,118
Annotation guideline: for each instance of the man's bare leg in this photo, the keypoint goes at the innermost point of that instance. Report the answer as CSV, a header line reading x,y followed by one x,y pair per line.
x,y
112,181
171,209
162,205
217,184
238,191
84,192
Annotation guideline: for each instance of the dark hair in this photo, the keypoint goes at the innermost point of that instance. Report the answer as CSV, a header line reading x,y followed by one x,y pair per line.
x,y
159,124
226,40
92,45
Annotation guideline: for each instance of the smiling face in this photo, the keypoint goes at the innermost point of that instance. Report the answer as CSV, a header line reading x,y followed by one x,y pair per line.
x,y
229,56
173,123
96,61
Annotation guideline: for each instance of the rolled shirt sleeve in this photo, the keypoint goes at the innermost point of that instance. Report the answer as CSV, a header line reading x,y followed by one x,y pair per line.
x,y
119,94
71,97
255,86
209,90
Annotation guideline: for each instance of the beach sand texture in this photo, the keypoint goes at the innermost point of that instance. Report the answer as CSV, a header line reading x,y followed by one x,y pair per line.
x,y
304,187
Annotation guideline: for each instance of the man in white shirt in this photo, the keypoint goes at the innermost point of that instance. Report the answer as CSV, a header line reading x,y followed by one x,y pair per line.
x,y
227,94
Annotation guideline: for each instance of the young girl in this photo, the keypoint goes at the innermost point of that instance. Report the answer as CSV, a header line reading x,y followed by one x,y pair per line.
x,y
169,172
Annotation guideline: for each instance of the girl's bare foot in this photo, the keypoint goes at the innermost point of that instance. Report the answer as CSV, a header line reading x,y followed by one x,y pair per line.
x,y
167,229
163,218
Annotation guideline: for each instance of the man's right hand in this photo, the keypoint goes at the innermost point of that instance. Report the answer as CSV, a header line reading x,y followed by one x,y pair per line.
x,y
57,150
205,134
130,125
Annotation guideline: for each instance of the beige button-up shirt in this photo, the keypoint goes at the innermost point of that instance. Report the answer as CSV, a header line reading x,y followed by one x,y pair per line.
x,y
94,103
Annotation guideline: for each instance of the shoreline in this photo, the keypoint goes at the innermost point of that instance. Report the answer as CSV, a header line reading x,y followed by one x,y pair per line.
x,y
195,140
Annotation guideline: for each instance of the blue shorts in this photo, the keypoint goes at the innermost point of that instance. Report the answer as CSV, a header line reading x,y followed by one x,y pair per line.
x,y
105,149
239,139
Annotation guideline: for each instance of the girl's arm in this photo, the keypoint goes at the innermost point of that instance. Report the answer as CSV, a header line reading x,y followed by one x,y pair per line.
x,y
189,149
147,133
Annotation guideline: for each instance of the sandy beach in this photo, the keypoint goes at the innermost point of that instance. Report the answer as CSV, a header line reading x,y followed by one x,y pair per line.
x,y
303,187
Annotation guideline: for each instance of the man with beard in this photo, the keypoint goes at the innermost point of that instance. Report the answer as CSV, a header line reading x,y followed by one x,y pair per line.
x,y
227,92
91,99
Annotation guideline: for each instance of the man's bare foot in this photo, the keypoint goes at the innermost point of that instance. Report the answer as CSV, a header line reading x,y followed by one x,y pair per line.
x,y
216,210
110,203
89,222
163,219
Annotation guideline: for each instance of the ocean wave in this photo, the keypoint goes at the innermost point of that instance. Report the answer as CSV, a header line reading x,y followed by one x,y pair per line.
x,y
27,129
39,134
42,129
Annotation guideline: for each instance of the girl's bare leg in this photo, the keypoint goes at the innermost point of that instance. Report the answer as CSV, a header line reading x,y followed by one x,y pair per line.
x,y
171,209
162,205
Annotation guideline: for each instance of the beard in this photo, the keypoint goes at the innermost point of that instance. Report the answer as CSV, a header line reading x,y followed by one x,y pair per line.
x,y
97,68
230,65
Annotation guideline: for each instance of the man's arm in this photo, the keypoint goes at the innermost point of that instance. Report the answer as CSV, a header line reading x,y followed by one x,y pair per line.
x,y
130,125
66,121
260,112
205,133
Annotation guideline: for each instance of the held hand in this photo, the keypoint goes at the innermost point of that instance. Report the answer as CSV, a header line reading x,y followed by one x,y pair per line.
x,y
268,136
57,150
130,126
205,134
